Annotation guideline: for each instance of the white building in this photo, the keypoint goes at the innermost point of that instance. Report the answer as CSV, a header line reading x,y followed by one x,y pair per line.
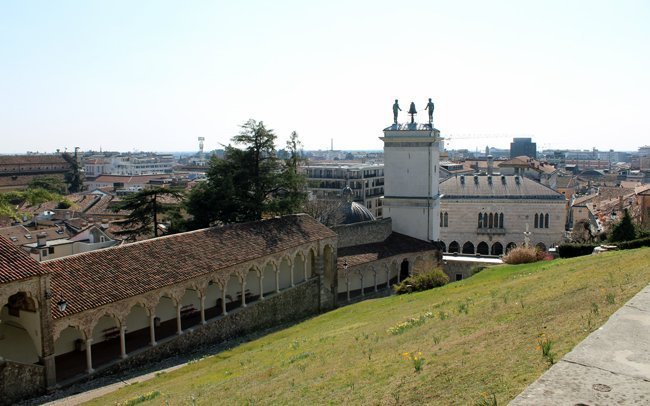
x,y
411,164
131,165
365,180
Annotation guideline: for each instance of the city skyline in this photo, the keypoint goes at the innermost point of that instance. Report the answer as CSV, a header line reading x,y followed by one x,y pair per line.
x,y
155,76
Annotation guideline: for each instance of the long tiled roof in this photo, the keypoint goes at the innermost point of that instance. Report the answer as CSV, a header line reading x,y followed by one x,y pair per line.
x,y
496,187
16,264
92,279
395,244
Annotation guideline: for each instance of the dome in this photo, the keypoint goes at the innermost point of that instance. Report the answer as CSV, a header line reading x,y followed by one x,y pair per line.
x,y
349,211
353,212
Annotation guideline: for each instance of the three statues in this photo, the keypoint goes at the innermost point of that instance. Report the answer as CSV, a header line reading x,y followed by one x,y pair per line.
x,y
429,107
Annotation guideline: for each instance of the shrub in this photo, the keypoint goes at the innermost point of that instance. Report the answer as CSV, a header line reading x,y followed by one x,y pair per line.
x,y
520,255
422,281
638,243
575,250
64,204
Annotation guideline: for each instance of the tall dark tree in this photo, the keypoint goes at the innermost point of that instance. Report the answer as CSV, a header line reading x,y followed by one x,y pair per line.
x,y
623,230
75,176
146,207
248,182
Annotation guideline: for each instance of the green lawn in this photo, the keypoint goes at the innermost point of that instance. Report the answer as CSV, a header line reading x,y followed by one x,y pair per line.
x,y
479,338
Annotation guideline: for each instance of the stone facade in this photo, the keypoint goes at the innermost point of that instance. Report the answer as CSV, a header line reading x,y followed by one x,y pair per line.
x,y
487,214
18,381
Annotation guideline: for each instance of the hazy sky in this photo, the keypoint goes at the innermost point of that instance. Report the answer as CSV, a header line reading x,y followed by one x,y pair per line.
x,y
155,75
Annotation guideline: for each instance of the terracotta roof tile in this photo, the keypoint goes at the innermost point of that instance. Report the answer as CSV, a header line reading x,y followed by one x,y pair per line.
x,y
16,264
100,277
395,244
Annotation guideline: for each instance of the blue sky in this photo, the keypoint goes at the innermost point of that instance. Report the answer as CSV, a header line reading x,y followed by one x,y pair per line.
x,y
155,75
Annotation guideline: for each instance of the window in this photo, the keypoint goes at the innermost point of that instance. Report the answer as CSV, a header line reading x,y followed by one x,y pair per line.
x,y
480,220
536,219
501,220
546,220
446,219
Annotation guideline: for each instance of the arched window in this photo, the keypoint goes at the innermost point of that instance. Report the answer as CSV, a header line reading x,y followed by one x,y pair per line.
x,y
443,247
482,248
501,220
485,220
480,220
536,219
546,220
491,222
497,248
446,219
468,248
454,247
441,224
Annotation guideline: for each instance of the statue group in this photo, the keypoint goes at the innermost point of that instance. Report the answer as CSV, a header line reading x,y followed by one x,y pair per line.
x,y
412,111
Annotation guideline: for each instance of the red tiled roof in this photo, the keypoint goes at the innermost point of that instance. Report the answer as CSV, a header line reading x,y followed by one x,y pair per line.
x,y
395,244
96,278
31,159
16,264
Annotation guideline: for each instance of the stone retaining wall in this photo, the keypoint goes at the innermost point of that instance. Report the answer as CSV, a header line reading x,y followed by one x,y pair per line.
x,y
292,304
19,381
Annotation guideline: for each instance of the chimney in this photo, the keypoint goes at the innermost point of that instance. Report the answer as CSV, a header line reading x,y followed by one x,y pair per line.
x,y
490,164
41,240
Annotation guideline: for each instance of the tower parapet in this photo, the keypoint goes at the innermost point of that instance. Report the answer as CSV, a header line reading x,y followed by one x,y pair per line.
x,y
411,174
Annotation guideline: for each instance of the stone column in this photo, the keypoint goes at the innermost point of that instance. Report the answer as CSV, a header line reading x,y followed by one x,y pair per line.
x,y
277,279
243,292
262,285
304,266
375,273
291,267
123,342
347,284
362,289
152,330
203,309
179,324
388,278
223,300
89,356
47,331
399,273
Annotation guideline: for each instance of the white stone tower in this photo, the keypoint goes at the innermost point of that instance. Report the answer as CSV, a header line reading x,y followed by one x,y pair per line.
x,y
411,172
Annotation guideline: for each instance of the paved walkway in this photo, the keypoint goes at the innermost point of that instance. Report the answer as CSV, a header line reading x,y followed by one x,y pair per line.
x,y
611,366
95,393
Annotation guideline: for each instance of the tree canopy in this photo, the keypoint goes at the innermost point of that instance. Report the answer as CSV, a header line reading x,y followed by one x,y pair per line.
x,y
249,182
624,230
146,206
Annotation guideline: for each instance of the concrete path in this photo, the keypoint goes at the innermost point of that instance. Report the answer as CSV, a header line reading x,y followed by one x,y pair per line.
x,y
95,393
611,366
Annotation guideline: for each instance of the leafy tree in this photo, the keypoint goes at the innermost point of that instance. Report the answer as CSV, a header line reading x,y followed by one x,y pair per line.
x,y
249,182
145,206
49,183
624,230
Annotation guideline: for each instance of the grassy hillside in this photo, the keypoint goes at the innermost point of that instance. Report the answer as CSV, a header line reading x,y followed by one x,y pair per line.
x,y
479,339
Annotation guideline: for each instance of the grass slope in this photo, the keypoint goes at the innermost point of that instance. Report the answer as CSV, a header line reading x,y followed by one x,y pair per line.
x,y
479,339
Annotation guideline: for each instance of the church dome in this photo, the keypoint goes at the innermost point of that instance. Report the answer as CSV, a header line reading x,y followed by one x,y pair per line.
x,y
352,212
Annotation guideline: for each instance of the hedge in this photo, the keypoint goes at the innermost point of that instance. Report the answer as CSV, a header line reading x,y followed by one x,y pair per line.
x,y
638,243
575,250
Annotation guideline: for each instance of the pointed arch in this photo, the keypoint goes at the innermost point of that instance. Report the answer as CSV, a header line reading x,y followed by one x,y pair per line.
x,y
497,249
482,248
468,248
